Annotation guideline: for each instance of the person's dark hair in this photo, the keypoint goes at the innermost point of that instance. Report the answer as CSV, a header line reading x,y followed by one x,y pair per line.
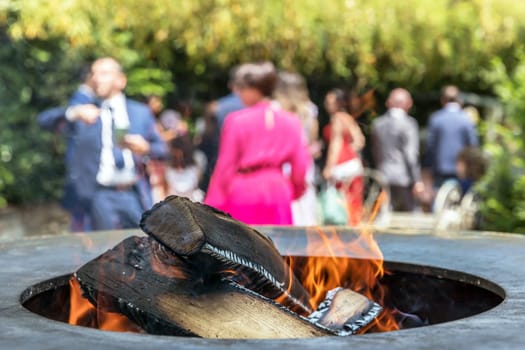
x,y
261,76
341,99
232,77
450,93
181,151
475,162
84,72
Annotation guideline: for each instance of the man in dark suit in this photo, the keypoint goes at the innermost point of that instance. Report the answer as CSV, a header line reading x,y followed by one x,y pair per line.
x,y
110,144
395,147
450,130
53,119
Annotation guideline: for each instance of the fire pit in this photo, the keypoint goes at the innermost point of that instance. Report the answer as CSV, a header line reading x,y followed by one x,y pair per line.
x,y
469,265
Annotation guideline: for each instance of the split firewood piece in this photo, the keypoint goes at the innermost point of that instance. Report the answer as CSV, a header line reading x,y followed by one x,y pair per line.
x,y
233,312
159,292
212,242
345,312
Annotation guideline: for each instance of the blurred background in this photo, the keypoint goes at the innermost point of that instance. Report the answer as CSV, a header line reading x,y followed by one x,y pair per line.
x,y
182,51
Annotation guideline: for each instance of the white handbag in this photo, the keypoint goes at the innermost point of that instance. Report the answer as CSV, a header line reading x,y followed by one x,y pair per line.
x,y
347,171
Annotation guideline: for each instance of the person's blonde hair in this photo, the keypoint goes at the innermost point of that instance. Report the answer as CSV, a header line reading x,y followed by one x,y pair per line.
x,y
292,94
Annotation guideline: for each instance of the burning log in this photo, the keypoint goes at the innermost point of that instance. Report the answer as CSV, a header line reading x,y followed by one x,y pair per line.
x,y
201,273
156,290
213,241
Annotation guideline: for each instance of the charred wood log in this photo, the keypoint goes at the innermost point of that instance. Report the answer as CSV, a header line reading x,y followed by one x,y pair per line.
x,y
164,295
212,242
160,293
202,273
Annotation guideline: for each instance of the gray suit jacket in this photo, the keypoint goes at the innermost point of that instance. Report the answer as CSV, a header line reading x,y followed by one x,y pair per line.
x,y
395,147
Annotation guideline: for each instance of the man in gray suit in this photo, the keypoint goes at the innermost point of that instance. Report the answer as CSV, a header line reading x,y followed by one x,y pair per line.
x,y
395,147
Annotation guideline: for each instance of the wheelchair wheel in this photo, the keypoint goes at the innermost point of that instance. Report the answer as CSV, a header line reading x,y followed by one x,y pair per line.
x,y
448,195
469,208
447,206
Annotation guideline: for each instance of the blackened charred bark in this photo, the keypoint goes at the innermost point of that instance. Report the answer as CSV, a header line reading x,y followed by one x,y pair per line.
x,y
159,292
215,243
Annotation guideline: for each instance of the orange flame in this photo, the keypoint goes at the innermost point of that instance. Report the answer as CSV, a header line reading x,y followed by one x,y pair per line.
x,y
79,307
83,313
290,273
327,266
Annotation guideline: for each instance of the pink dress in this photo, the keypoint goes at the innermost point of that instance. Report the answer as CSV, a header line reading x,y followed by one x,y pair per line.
x,y
248,180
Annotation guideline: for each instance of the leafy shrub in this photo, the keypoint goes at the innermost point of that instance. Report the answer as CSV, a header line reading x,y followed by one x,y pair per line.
x,y
503,187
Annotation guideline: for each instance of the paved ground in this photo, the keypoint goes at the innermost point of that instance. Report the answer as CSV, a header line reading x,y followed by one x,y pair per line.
x,y
412,221
491,256
50,219
35,220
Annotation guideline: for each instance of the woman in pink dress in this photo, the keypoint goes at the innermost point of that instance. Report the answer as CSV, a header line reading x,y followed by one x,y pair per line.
x,y
248,180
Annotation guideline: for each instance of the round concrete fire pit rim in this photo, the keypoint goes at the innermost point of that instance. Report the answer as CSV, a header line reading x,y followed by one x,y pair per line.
x,y
423,270
492,256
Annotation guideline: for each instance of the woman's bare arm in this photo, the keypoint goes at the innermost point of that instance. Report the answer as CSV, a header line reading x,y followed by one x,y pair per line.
x,y
335,144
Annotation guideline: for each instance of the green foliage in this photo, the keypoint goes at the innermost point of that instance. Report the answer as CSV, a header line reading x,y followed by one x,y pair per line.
x,y
379,42
31,75
149,81
503,187
185,48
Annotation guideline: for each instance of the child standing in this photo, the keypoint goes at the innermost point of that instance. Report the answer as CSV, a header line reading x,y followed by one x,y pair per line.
x,y
183,172
471,165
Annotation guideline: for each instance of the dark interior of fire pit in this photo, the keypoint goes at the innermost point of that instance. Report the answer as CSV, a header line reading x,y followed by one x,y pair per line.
x,y
437,295
419,295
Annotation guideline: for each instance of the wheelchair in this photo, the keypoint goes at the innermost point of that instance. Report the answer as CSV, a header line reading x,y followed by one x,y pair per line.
x,y
455,210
